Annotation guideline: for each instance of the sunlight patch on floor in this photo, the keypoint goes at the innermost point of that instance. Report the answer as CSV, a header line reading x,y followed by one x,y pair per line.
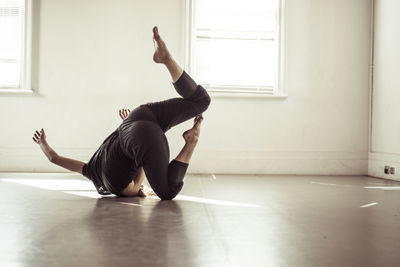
x,y
55,184
91,194
330,184
86,189
383,187
369,205
211,201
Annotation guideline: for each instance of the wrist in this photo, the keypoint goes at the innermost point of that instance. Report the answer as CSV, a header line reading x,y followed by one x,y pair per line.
x,y
43,144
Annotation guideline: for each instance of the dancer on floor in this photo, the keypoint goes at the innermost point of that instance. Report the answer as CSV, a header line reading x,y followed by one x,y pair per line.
x,y
138,148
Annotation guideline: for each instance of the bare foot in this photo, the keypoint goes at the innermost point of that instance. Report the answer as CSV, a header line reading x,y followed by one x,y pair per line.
x,y
161,55
192,135
146,191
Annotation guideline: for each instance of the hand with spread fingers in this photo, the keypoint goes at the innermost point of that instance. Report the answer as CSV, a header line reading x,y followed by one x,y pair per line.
x,y
124,113
39,137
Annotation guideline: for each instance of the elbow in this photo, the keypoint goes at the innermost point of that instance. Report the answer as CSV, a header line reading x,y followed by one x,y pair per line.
x,y
53,158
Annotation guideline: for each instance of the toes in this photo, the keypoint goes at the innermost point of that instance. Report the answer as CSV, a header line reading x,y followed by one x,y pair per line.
x,y
155,32
197,124
198,119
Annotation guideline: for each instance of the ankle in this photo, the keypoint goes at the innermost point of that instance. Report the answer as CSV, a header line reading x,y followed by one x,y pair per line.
x,y
169,62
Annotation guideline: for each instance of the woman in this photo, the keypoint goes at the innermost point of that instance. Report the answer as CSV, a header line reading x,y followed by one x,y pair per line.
x,y
138,147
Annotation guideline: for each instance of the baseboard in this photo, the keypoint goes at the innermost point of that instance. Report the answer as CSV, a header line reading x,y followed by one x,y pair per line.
x,y
377,163
228,162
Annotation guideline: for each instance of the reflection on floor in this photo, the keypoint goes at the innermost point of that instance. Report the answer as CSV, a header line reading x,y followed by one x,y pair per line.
x,y
60,220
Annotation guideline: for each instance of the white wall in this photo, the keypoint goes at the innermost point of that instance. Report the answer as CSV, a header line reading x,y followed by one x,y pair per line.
x,y
385,148
95,57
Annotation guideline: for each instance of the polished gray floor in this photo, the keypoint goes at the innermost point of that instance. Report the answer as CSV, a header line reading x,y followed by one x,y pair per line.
x,y
58,220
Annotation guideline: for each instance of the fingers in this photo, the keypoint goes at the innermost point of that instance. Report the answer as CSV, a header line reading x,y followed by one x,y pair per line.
x,y
123,113
37,136
142,194
127,111
198,117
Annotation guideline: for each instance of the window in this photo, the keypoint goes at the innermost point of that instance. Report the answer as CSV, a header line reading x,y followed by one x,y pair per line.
x,y
236,46
14,51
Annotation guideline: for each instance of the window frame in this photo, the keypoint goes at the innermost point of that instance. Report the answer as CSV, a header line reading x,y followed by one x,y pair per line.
x,y
25,85
278,91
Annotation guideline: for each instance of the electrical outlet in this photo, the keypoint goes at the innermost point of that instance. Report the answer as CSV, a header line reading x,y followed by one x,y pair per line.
x,y
387,169
392,170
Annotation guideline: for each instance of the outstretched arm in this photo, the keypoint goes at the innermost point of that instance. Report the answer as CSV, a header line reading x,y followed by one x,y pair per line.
x,y
67,163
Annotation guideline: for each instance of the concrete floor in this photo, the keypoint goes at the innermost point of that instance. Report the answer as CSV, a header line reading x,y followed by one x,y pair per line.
x,y
59,220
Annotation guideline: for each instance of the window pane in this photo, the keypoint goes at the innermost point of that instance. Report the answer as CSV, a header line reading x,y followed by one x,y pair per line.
x,y
237,15
11,34
235,62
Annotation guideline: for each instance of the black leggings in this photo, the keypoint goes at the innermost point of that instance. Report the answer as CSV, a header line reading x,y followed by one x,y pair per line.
x,y
174,111
142,136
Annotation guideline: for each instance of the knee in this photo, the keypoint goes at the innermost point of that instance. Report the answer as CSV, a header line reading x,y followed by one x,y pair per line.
x,y
169,195
166,197
205,99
